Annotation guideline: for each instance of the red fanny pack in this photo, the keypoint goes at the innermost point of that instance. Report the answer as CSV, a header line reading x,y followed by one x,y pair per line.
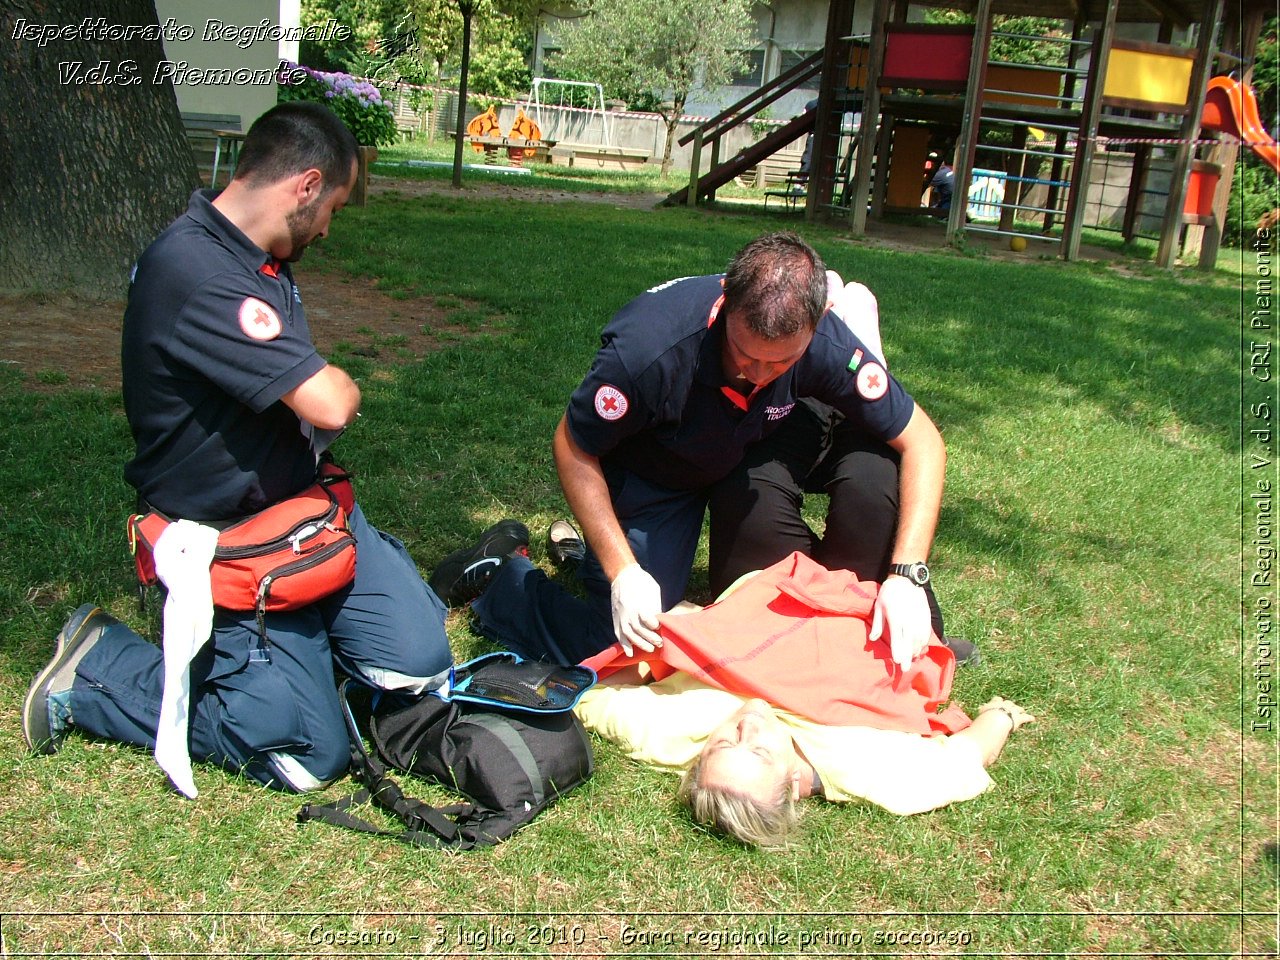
x,y
289,555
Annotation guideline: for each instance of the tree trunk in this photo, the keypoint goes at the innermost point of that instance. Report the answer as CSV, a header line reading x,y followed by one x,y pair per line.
x,y
673,121
467,9
93,158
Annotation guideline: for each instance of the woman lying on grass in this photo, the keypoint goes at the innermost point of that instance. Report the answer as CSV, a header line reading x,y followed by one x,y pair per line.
x,y
776,693
753,769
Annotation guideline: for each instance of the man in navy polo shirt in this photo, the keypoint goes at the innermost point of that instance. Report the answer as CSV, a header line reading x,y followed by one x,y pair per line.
x,y
230,407
689,375
757,511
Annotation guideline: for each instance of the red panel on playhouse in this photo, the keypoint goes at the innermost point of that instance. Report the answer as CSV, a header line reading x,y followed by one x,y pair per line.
x,y
929,57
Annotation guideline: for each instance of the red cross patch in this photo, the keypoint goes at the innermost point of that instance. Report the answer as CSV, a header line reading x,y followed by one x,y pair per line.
x,y
258,320
611,403
872,381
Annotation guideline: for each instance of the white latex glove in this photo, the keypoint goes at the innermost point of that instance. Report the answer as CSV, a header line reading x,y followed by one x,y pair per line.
x,y
857,307
636,599
902,607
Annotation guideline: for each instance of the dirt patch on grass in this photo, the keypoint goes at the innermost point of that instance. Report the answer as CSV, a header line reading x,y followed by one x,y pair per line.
x,y
508,188
63,341
59,341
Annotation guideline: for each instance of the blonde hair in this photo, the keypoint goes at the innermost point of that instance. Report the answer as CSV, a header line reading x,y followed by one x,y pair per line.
x,y
755,823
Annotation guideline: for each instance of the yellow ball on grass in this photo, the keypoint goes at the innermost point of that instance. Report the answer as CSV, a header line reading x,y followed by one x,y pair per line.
x,y
1017,244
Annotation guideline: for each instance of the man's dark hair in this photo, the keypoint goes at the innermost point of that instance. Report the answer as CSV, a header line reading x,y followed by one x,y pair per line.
x,y
293,137
777,284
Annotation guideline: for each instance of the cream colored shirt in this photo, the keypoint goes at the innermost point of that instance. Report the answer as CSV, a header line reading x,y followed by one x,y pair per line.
x,y
665,725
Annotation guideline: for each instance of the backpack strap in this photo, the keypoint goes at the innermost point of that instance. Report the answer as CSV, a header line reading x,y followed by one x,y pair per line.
x,y
425,825
336,814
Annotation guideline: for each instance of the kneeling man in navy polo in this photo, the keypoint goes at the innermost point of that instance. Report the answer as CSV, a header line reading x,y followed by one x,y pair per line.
x,y
230,407
690,375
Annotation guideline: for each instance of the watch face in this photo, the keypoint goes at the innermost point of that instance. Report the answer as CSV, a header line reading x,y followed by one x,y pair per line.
x,y
917,573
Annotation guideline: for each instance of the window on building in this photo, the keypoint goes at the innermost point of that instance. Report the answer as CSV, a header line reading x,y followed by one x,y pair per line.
x,y
547,61
790,58
753,76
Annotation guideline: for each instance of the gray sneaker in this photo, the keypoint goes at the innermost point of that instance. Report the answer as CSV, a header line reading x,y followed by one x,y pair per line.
x,y
966,651
46,713
564,544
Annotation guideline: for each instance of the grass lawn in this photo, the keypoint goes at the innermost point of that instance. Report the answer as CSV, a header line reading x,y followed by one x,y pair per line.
x,y
398,160
1090,541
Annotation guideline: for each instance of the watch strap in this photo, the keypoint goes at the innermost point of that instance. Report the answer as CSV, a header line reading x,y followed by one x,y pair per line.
x,y
917,573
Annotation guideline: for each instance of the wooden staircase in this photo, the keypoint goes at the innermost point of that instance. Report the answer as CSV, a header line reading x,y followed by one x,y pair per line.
x,y
710,133
746,158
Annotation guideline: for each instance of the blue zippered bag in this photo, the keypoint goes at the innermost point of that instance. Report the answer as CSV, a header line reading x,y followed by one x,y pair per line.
x,y
509,682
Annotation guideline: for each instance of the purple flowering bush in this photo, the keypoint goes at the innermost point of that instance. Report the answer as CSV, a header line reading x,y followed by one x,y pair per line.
x,y
358,102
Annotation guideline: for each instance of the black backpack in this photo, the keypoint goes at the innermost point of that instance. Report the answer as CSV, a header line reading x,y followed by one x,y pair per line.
x,y
509,761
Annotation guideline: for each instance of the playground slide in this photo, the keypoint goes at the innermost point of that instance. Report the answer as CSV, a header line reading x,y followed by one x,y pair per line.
x,y
1231,108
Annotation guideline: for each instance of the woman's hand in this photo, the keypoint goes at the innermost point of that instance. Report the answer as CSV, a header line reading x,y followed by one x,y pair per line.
x,y
1016,714
996,719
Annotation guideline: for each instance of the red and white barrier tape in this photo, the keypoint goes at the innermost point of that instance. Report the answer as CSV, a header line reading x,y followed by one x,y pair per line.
x,y
1224,141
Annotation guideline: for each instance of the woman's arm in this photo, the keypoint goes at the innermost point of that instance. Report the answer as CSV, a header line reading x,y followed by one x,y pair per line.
x,y
996,719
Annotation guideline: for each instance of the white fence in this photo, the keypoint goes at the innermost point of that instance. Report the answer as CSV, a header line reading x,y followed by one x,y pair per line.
x,y
630,129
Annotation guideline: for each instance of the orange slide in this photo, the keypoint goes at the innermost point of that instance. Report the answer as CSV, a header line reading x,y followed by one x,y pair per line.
x,y
1231,108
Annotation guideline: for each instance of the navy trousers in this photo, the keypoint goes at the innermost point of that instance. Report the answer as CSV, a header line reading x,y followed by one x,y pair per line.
x,y
270,709
538,618
756,515
755,521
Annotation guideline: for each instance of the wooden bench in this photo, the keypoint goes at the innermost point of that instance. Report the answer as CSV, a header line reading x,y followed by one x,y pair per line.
x,y
793,191
410,126
409,122
209,135
774,171
617,158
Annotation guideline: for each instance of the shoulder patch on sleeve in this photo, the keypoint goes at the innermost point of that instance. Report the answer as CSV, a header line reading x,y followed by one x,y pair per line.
x,y
611,403
872,381
258,320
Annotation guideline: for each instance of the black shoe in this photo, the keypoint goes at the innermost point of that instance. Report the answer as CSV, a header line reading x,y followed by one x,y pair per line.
x,y
463,574
966,651
46,709
564,544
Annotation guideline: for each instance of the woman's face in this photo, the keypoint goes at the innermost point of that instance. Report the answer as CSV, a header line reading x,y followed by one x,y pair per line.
x,y
752,753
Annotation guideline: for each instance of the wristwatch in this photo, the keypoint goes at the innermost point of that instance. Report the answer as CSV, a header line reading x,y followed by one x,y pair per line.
x,y
917,573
